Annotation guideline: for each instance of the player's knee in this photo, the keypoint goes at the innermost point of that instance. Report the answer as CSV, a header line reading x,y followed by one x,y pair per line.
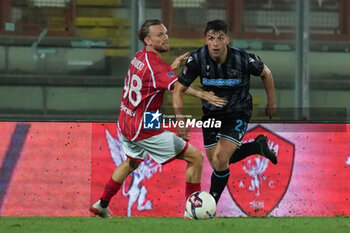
x,y
200,159
192,156
210,159
219,162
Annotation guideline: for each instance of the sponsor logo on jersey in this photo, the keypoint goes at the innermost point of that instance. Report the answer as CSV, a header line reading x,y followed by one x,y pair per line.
x,y
127,110
137,63
221,82
255,184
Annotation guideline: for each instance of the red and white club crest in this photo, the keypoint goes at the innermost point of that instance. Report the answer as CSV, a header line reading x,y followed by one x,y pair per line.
x,y
257,185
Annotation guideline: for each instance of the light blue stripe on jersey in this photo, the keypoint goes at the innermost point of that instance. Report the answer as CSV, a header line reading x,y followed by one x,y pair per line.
x,y
221,82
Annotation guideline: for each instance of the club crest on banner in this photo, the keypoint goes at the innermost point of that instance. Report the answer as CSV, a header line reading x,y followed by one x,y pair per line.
x,y
255,184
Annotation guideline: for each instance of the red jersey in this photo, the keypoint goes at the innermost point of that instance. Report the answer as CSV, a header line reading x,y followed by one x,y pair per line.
x,y
145,84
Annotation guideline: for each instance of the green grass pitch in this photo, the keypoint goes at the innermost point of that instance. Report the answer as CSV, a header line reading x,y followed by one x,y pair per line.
x,y
170,225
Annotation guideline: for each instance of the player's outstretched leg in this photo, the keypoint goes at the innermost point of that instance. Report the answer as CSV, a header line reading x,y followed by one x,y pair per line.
x,y
194,159
245,150
220,160
218,183
258,146
100,208
265,150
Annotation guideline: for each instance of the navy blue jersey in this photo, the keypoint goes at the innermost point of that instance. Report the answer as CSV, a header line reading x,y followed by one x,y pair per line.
x,y
230,80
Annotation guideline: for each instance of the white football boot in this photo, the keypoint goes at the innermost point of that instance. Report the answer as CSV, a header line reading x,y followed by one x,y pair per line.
x,y
186,215
96,209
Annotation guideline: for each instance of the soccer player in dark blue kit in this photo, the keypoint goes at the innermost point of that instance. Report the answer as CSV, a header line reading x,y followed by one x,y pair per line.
x,y
225,71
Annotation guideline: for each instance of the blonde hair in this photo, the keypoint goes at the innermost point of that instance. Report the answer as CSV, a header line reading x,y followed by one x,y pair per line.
x,y
144,30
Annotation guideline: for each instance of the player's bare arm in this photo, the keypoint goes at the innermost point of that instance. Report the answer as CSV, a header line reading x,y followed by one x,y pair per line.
x,y
180,59
267,79
177,103
193,90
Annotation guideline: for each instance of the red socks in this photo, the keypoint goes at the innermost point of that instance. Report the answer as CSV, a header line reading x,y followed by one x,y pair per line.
x,y
191,188
111,189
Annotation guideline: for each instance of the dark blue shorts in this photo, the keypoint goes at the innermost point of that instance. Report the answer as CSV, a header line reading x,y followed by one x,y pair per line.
x,y
233,127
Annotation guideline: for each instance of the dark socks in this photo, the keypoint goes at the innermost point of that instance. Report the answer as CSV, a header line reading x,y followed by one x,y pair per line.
x,y
244,151
103,203
218,182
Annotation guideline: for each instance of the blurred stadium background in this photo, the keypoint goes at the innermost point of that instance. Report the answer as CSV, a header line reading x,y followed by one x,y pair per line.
x,y
66,59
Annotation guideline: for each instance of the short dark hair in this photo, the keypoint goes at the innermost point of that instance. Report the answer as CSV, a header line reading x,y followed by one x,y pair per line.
x,y
216,25
144,30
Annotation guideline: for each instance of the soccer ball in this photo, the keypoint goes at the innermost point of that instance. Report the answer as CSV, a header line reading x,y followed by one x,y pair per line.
x,y
200,205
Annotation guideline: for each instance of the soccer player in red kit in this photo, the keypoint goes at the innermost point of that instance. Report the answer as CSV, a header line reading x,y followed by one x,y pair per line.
x,y
147,80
